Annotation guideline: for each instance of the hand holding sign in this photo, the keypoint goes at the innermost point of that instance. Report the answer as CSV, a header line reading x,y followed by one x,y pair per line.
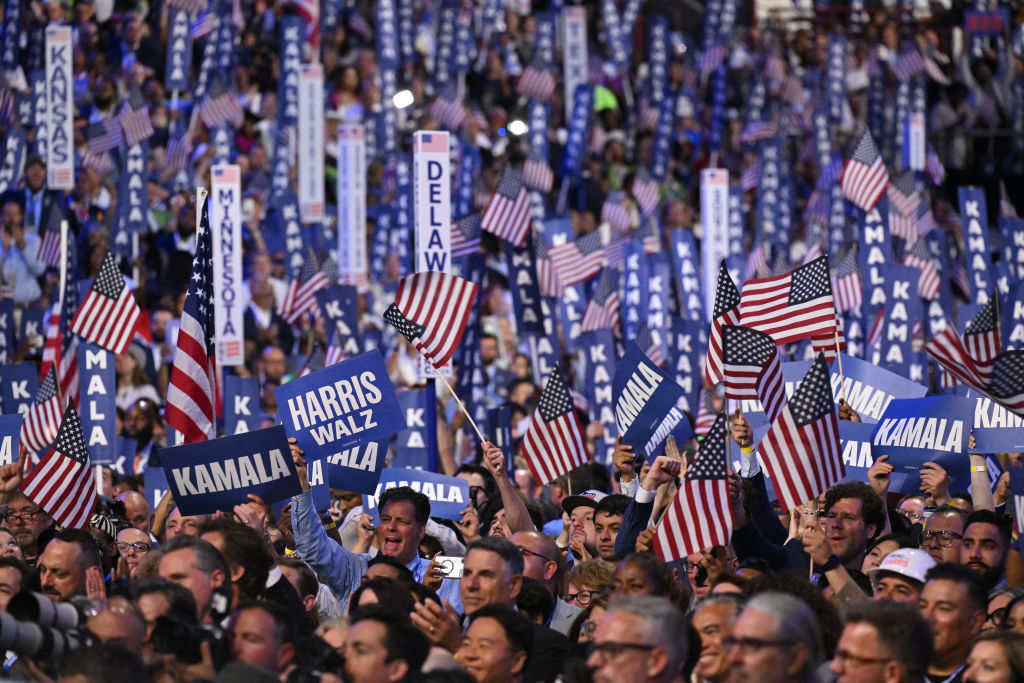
x,y
935,482
880,475
300,463
624,459
10,480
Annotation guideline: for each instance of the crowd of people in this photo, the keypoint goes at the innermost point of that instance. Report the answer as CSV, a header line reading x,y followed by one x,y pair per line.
x,y
534,583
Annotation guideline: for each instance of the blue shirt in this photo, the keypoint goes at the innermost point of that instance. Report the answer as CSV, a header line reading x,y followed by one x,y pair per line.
x,y
342,569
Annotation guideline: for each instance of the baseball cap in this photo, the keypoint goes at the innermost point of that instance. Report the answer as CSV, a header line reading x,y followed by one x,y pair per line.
x,y
588,498
912,563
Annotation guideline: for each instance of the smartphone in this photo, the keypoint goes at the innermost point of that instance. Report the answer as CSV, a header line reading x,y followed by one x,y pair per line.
x,y
450,567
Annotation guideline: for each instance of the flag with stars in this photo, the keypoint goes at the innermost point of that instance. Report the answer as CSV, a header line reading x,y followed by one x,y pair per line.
x,y
920,257
727,312
602,310
49,244
431,310
63,483
1007,384
61,347
791,306
554,442
700,516
801,449
507,214
109,312
317,360
39,428
982,336
864,176
1002,378
300,295
134,118
578,260
466,236
192,394
706,413
752,369
903,194
103,136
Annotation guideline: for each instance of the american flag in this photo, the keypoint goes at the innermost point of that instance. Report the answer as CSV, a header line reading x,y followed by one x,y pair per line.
x,y
925,221
537,83
948,350
220,106
1002,378
646,191
758,130
933,165
828,345
830,174
1007,383
932,68
317,360
203,25
615,252
537,174
902,226
431,310
847,290
791,306
752,369
61,347
448,110
42,420
192,394
300,296
547,277
801,449
602,310
651,236
651,344
508,212
751,176
466,236
554,442
615,213
864,175
982,335
706,413
191,6
103,136
63,483
711,58
908,64
49,244
109,312
134,118
179,148
903,194
757,260
920,257
578,260
700,516
727,312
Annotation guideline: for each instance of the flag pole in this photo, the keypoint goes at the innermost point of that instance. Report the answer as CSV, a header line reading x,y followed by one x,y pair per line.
x,y
839,359
459,402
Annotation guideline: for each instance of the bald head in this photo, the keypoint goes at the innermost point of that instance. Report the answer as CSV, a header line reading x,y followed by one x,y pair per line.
x,y
136,509
542,560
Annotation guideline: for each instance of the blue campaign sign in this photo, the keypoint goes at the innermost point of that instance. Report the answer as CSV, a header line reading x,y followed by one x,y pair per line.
x,y
156,485
855,440
449,496
220,473
523,285
357,467
987,22
931,429
688,345
499,431
869,388
599,351
32,329
996,429
10,432
974,211
122,459
319,483
98,392
902,310
241,404
411,443
341,406
645,401
1017,499
634,287
340,306
6,331
18,385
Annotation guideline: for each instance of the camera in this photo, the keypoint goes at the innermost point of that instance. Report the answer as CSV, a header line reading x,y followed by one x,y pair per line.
x,y
450,567
36,627
172,636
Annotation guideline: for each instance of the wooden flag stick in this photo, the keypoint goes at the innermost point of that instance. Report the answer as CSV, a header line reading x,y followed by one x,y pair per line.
x,y
839,358
452,392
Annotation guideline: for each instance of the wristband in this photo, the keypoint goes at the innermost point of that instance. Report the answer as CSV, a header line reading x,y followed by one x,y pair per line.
x,y
979,468
746,449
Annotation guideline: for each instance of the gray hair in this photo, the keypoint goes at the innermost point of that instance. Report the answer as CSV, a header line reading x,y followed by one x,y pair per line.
x,y
735,600
664,625
795,622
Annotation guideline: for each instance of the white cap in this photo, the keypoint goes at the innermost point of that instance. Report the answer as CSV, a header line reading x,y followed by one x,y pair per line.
x,y
912,563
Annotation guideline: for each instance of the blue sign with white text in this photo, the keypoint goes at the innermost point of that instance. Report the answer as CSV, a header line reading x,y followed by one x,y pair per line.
x,y
241,404
18,385
10,434
645,401
449,496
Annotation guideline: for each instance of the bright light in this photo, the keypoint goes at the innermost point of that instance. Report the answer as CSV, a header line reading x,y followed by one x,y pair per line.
x,y
517,127
402,98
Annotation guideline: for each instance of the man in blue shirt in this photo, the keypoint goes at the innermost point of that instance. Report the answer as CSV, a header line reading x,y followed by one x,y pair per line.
x,y
403,521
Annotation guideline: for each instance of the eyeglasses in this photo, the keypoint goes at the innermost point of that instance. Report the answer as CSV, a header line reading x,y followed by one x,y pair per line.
x,y
527,551
847,659
912,515
998,616
692,566
943,538
582,598
474,490
23,517
587,628
137,547
748,645
610,649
